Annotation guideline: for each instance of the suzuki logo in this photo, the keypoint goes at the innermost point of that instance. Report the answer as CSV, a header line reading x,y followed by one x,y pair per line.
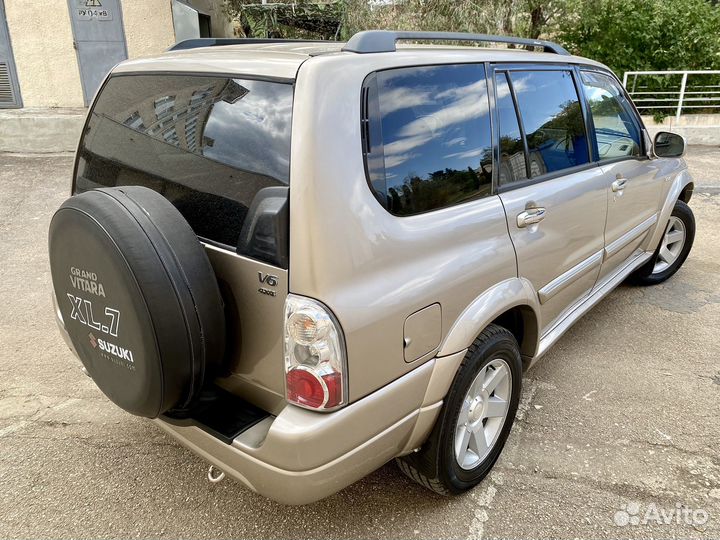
x,y
268,279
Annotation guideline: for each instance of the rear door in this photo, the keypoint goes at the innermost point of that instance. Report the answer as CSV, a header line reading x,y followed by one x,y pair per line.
x,y
218,148
554,196
633,183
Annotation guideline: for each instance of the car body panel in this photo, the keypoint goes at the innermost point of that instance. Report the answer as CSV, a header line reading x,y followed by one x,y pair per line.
x,y
576,311
252,351
559,254
633,209
677,178
486,307
282,60
230,60
373,269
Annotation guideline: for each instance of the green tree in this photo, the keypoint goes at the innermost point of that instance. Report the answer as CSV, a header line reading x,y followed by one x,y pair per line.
x,y
624,34
636,35
294,19
528,18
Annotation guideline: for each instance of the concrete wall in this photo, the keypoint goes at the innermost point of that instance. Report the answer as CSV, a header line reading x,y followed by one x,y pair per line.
x,y
696,128
39,131
44,55
148,26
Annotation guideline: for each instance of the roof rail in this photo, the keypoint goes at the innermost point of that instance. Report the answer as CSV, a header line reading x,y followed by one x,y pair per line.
x,y
219,42
375,41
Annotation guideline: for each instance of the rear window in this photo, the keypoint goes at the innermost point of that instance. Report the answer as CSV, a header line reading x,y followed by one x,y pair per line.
x,y
218,148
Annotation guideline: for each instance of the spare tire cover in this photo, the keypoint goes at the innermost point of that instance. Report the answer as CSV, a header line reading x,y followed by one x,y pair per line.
x,y
138,297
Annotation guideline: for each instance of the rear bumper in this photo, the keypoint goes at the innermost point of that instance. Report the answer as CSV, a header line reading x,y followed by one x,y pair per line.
x,y
302,456
296,487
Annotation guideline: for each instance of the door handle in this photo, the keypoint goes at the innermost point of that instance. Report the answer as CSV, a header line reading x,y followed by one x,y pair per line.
x,y
619,183
530,217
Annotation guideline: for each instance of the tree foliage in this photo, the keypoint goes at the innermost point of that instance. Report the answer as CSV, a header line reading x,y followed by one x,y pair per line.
x,y
303,19
624,34
644,34
510,17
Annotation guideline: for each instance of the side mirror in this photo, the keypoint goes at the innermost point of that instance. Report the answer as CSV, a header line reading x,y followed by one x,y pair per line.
x,y
670,145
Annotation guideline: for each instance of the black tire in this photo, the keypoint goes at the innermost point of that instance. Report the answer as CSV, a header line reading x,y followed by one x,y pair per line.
x,y
645,275
435,466
138,298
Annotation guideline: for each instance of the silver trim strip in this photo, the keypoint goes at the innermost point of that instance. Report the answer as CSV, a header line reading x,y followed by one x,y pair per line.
x,y
551,336
572,275
613,247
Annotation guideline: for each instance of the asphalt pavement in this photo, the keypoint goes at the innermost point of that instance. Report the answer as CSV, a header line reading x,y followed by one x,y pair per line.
x,y
617,435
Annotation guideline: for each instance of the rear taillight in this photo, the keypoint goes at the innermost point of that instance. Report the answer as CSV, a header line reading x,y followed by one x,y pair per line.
x,y
315,363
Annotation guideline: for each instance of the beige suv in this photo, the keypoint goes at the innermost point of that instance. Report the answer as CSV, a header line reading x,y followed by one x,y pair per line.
x,y
305,259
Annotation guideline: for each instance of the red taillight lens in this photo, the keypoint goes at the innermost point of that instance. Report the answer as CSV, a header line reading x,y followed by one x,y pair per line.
x,y
315,356
333,382
305,388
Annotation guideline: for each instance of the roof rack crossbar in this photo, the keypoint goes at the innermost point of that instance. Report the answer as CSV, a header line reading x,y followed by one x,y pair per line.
x,y
375,41
219,42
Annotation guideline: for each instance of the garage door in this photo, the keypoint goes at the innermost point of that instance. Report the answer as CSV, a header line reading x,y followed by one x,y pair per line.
x,y
99,40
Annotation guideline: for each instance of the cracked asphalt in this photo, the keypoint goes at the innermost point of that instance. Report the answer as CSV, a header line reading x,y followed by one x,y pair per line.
x,y
616,437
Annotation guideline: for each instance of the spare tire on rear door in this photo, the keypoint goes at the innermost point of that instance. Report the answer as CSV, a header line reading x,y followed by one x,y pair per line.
x,y
138,298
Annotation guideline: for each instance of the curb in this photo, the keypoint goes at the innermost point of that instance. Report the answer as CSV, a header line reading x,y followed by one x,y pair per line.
x,y
40,131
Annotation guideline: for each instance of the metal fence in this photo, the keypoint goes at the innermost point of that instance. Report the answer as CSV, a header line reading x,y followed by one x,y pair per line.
x,y
674,91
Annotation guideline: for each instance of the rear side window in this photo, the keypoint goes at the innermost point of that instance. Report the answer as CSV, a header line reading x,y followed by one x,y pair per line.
x,y
218,148
617,134
426,136
552,119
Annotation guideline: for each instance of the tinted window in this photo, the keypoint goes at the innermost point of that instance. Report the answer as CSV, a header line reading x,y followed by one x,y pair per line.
x,y
428,142
552,119
512,150
616,132
210,145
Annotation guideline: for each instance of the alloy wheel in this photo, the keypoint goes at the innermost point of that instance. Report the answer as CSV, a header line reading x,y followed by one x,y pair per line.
x,y
671,245
483,413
